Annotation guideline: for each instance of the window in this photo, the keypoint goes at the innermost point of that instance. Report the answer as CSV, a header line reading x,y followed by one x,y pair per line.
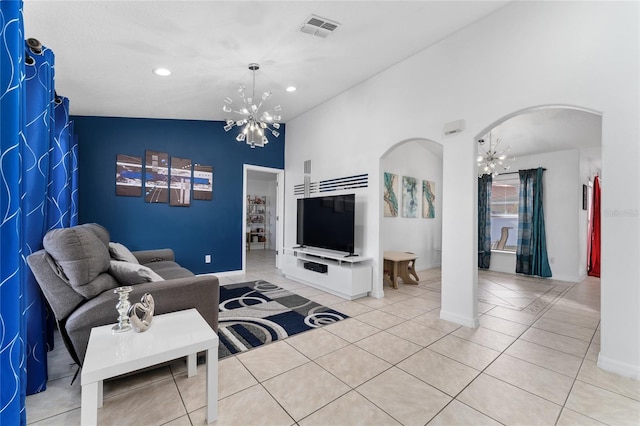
x,y
504,212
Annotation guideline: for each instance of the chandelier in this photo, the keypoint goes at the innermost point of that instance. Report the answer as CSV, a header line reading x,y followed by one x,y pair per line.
x,y
255,124
492,161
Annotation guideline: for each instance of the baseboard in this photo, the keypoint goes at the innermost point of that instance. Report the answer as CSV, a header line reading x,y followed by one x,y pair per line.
x,y
420,266
621,368
377,294
427,265
459,319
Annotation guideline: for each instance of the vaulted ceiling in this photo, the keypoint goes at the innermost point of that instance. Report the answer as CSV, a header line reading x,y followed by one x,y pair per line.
x,y
106,51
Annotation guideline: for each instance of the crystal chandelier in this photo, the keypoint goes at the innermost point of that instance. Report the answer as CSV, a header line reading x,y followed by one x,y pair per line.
x,y
492,161
255,123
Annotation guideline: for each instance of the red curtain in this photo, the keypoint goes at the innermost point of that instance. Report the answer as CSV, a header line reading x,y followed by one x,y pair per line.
x,y
594,244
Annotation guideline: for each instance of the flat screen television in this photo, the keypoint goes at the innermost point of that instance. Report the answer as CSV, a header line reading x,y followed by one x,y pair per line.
x,y
327,222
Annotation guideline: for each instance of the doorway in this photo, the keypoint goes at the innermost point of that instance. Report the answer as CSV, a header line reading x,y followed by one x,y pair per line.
x,y
565,141
262,212
412,162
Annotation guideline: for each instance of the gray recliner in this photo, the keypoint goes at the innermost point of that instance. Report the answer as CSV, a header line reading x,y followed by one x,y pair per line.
x,y
78,284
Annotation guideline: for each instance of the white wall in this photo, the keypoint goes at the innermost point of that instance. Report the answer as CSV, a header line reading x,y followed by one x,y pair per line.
x,y
562,203
525,54
423,161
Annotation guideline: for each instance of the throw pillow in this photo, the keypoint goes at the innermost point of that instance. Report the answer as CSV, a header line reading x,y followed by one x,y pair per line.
x,y
120,252
132,273
81,255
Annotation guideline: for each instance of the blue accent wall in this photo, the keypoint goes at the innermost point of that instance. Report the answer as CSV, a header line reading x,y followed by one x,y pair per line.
x,y
206,227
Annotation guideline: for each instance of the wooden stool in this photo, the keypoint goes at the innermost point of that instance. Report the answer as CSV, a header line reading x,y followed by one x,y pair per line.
x,y
396,265
411,267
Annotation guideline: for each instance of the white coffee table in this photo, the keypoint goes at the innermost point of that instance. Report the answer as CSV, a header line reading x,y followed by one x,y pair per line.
x,y
171,336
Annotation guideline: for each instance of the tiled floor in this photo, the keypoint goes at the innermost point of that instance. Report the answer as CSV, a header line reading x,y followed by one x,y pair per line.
x,y
394,362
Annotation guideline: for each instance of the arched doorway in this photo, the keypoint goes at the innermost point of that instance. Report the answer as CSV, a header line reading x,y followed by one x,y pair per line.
x,y
416,229
566,141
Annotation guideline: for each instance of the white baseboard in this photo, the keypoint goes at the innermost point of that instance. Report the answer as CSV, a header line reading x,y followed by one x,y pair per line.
x,y
621,368
377,294
459,319
421,266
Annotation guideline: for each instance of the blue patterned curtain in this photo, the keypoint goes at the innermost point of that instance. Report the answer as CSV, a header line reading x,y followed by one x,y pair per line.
x,y
74,178
531,253
484,221
12,349
36,172
60,168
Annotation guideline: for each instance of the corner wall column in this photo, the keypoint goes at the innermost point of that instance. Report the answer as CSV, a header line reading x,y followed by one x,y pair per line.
x,y
459,232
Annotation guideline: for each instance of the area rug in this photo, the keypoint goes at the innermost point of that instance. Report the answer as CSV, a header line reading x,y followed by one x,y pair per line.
x,y
257,312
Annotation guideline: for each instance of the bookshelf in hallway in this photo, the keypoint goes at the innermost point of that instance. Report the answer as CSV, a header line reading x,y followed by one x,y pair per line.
x,y
257,222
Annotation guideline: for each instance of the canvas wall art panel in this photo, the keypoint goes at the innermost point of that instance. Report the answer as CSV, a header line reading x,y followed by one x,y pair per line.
x,y
202,182
128,175
390,195
180,188
409,197
156,181
428,199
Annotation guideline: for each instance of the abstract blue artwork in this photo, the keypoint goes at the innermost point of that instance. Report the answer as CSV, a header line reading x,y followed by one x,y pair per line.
x,y
409,197
428,199
390,195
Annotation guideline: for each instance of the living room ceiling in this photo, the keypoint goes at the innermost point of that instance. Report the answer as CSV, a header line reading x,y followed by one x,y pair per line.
x,y
106,50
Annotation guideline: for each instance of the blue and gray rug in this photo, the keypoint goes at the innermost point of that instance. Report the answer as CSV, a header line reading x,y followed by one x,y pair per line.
x,y
258,312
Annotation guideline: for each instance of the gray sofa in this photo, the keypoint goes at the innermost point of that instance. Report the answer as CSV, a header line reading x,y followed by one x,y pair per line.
x,y
79,267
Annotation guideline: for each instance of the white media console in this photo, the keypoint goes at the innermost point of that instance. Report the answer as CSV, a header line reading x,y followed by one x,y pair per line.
x,y
347,277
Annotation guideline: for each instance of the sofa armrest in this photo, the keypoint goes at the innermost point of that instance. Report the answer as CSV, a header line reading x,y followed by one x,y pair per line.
x,y
200,292
59,294
156,255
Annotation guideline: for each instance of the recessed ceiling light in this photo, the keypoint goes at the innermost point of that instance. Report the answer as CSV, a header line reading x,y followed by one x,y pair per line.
x,y
291,89
162,72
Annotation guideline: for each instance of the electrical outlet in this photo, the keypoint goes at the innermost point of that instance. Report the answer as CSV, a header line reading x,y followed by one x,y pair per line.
x,y
207,258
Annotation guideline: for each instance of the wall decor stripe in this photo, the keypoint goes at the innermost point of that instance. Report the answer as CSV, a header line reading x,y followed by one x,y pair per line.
x,y
336,184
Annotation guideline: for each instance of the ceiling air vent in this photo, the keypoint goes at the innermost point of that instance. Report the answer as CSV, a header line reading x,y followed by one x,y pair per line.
x,y
318,26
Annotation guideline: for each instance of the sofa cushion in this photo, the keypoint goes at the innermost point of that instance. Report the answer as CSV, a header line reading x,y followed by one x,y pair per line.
x,y
99,231
99,284
132,273
120,252
169,270
82,257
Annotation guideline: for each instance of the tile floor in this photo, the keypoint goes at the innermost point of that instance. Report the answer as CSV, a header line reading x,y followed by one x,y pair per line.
x,y
394,362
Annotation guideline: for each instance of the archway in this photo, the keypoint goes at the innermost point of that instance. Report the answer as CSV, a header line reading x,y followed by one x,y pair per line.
x,y
566,141
420,161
